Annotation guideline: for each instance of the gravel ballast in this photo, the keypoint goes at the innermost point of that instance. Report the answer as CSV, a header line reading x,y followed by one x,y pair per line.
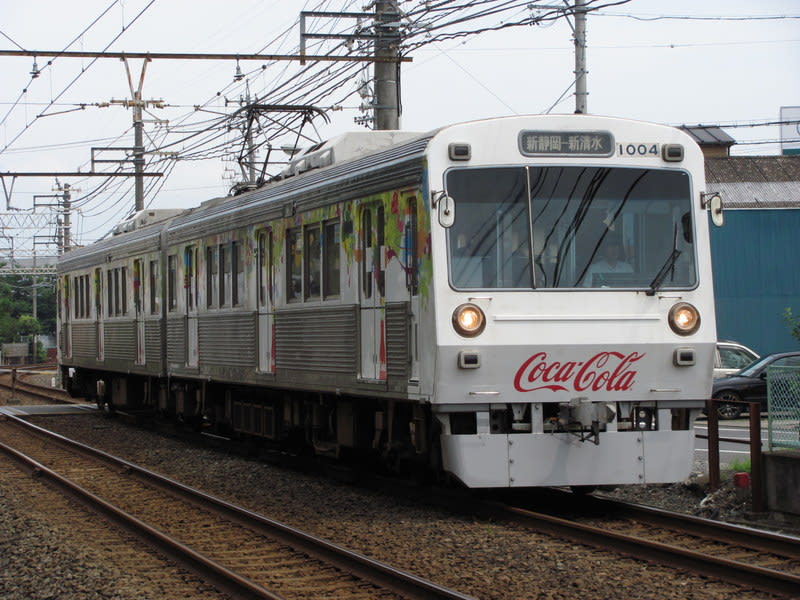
x,y
481,558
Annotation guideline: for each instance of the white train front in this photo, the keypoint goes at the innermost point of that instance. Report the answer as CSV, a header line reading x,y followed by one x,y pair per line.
x,y
524,301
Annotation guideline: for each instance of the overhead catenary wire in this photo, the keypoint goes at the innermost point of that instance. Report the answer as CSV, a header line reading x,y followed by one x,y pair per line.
x,y
75,79
197,135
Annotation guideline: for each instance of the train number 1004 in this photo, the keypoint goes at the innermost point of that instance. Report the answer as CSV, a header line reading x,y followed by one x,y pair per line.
x,y
638,149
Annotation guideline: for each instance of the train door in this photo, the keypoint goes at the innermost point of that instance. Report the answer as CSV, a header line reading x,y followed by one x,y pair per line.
x,y
138,312
98,313
66,329
190,285
266,338
411,245
372,291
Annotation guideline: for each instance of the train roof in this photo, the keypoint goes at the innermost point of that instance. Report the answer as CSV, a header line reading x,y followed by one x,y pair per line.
x,y
360,165
322,174
347,166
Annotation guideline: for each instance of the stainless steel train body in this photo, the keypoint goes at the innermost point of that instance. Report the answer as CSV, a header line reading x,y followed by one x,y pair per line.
x,y
427,298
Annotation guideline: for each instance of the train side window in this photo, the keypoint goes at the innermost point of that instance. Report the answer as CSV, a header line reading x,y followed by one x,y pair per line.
x,y
137,286
312,271
124,288
380,250
224,274
87,297
76,295
110,292
366,247
411,244
117,307
65,298
331,243
211,276
153,286
172,282
190,276
237,283
98,293
264,267
294,265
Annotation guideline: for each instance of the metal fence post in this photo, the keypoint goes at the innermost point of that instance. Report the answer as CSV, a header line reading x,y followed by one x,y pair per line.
x,y
713,444
756,476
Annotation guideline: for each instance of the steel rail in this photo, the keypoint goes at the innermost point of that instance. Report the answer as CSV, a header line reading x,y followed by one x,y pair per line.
x,y
221,576
748,537
767,580
37,391
376,572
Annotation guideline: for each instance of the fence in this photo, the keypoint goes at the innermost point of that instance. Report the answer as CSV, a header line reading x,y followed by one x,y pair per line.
x,y
783,401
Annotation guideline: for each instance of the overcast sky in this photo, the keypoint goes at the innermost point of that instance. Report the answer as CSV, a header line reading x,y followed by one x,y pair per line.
x,y
669,61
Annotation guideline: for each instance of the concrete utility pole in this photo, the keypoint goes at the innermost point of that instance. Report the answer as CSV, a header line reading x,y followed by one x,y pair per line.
x,y
387,74
581,95
67,208
138,133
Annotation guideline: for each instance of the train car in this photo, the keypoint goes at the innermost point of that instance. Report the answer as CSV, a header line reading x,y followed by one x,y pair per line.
x,y
513,302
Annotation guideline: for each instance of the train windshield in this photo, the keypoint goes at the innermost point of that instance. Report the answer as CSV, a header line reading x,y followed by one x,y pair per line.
x,y
571,227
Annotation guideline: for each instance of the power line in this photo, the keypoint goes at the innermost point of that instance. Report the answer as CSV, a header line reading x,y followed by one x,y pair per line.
x,y
702,18
78,76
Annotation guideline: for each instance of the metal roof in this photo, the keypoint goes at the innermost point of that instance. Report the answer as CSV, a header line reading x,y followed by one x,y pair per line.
x,y
708,136
755,181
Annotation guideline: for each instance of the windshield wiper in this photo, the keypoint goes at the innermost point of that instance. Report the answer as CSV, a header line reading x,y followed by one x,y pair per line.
x,y
659,278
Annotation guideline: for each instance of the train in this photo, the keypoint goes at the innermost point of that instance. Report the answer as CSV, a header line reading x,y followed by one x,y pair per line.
x,y
521,301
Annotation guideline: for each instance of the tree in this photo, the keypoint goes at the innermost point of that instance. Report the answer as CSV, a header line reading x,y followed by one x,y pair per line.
x,y
28,325
793,322
16,302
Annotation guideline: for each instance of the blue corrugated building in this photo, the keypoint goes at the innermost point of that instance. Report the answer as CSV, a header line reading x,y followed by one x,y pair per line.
x,y
756,254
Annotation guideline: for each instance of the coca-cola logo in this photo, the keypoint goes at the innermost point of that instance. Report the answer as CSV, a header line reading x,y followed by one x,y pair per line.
x,y
605,371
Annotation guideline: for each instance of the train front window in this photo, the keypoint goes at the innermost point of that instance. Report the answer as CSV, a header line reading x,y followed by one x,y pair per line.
x,y
585,227
490,239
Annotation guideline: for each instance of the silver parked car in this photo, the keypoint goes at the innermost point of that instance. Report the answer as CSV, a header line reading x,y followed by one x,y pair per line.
x,y
731,357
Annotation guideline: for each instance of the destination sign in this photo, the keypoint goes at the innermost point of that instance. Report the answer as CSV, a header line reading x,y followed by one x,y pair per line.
x,y
566,143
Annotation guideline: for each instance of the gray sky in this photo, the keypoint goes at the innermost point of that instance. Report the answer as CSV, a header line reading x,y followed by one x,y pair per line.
x,y
669,61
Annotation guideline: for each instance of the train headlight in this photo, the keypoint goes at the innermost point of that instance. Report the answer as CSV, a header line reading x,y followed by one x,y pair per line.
x,y
468,320
684,318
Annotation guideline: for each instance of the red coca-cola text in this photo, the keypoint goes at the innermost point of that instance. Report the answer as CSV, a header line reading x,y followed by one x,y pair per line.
x,y
605,371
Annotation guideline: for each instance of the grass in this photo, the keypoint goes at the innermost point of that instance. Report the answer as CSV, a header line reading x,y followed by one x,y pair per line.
x,y
739,466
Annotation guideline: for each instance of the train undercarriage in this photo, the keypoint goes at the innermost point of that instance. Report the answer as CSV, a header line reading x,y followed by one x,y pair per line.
x,y
399,435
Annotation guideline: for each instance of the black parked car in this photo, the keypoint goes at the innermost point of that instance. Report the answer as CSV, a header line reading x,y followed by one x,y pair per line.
x,y
750,384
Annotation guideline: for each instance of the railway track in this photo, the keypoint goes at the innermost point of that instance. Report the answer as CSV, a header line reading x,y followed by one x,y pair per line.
x,y
38,393
245,554
753,558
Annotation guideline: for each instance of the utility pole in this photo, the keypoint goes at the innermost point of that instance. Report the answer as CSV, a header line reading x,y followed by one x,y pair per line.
x,y
387,71
66,207
581,95
138,133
